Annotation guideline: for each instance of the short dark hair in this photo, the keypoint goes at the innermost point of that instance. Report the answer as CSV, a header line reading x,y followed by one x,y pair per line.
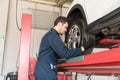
x,y
60,19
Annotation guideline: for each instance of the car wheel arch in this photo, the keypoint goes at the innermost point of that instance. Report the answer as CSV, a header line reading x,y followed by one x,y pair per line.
x,y
79,13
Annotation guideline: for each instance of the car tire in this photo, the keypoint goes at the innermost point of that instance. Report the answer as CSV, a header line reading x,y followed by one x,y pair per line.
x,y
76,35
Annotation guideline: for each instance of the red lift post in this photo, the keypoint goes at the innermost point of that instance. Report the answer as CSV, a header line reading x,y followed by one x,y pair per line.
x,y
24,56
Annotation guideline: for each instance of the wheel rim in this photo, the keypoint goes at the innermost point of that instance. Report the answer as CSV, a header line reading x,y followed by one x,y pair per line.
x,y
74,37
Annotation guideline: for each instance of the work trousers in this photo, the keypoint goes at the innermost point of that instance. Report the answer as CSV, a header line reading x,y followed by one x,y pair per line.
x,y
46,77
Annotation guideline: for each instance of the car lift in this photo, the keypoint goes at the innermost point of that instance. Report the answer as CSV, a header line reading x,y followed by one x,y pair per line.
x,y
103,63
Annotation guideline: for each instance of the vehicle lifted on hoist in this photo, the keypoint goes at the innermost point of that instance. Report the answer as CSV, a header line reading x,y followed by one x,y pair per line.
x,y
92,20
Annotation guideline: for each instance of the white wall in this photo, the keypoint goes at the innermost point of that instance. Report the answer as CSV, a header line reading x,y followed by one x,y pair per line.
x,y
13,34
4,4
12,41
35,41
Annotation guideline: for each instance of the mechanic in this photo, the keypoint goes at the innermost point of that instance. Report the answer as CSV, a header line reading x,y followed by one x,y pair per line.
x,y
53,48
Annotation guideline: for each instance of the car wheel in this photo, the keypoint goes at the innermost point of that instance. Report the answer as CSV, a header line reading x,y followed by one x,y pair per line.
x,y
76,35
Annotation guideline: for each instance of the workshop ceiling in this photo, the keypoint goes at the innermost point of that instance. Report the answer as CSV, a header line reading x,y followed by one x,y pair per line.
x,y
64,3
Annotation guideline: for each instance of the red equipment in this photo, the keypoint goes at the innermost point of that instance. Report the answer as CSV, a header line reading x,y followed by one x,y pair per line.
x,y
104,63
24,56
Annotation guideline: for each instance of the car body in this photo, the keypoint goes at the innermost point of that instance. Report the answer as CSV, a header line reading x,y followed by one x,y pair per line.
x,y
92,20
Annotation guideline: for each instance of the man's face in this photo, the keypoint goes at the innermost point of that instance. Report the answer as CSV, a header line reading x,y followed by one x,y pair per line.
x,y
63,28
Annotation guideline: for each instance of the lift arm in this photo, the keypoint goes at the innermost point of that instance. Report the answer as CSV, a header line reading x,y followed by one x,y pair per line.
x,y
105,62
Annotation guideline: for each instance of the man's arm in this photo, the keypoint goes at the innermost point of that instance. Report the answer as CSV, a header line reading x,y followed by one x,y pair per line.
x,y
59,47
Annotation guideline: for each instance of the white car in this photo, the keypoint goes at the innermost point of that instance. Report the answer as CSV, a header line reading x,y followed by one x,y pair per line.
x,y
92,20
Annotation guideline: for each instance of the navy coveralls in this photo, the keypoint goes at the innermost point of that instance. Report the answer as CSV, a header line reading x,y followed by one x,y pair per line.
x,y
51,49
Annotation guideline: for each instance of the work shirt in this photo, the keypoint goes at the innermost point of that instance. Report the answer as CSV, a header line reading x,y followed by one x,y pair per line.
x,y
51,49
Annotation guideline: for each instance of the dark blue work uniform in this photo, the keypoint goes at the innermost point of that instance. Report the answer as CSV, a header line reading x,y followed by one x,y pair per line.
x,y
51,49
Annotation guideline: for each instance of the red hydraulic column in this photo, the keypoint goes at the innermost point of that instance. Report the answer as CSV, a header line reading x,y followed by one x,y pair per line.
x,y
23,67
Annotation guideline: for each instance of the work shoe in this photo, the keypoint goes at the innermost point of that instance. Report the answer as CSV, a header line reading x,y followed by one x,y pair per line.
x,y
88,44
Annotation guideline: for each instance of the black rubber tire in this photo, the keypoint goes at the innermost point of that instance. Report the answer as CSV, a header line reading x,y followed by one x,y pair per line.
x,y
84,36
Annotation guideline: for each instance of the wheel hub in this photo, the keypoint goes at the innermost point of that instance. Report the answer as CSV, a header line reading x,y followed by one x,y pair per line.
x,y
74,37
